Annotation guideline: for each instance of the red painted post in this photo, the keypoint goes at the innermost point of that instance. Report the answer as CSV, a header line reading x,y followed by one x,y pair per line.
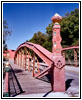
x,y
18,58
38,66
58,70
6,86
33,65
28,61
75,57
25,57
21,59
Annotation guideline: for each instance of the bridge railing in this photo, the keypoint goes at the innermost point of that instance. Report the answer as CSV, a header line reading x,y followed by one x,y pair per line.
x,y
71,55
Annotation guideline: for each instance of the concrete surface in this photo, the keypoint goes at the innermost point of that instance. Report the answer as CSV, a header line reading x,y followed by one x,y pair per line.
x,y
72,84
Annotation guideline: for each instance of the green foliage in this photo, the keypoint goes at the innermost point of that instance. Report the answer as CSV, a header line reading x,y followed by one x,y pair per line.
x,y
6,33
39,38
69,32
70,29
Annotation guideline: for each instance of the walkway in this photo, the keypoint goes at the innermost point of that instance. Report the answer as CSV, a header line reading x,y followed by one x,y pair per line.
x,y
29,84
33,87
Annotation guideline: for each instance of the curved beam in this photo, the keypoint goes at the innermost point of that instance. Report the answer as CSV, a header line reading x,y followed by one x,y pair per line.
x,y
44,54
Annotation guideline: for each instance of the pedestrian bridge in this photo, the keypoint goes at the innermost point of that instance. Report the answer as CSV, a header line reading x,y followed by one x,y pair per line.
x,y
34,52
40,62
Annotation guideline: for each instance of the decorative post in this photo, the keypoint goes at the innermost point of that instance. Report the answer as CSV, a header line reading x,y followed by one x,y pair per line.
x,y
25,57
38,66
18,58
33,74
28,61
75,57
21,59
58,69
6,84
14,60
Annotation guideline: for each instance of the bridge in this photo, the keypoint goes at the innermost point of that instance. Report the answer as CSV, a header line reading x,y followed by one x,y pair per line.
x,y
33,60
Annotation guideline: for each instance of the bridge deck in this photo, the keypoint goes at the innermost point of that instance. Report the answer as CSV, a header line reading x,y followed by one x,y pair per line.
x,y
28,83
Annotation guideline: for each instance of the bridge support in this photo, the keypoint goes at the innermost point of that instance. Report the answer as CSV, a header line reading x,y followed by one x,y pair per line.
x,y
75,57
33,74
58,70
21,58
18,58
6,86
25,58
29,61
38,66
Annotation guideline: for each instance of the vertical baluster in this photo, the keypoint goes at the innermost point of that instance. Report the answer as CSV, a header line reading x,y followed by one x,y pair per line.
x,y
33,64
28,61
75,57
25,57
38,66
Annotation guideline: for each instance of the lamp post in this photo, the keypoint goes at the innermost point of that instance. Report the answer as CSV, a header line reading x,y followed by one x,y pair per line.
x,y
6,86
58,69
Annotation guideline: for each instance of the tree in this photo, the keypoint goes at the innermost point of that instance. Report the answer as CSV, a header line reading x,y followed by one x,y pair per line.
x,y
69,32
70,29
67,14
6,33
38,38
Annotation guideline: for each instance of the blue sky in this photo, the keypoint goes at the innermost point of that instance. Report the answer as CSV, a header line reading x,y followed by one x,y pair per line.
x,y
24,19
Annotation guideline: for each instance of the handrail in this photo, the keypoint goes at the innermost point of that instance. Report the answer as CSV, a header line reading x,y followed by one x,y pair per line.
x,y
68,48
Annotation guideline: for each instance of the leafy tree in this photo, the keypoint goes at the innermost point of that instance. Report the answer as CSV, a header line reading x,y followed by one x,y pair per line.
x,y
70,29
48,43
38,38
6,33
69,32
67,14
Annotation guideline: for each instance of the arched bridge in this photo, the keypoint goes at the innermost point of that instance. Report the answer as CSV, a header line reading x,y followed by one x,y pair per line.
x,y
40,62
24,52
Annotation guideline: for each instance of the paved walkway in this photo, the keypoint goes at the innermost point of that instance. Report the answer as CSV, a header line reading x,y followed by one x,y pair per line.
x,y
29,84
33,87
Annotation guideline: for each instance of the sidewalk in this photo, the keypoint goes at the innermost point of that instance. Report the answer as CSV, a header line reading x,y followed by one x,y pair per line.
x,y
42,89
42,95
72,68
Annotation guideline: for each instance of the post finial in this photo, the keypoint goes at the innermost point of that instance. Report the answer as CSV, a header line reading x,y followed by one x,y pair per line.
x,y
56,18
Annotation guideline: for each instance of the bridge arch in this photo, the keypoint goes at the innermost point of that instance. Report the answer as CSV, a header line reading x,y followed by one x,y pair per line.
x,y
44,54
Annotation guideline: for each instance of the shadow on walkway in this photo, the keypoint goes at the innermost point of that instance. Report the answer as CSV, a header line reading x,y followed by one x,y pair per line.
x,y
47,93
68,82
14,85
18,70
